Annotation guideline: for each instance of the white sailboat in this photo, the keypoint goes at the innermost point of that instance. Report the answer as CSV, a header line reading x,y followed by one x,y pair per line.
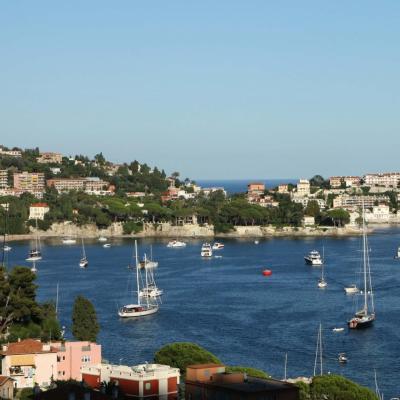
x,y
322,284
139,309
366,316
150,289
318,351
397,256
83,263
35,254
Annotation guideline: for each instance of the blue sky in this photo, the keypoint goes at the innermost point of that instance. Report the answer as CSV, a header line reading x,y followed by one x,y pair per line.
x,y
214,89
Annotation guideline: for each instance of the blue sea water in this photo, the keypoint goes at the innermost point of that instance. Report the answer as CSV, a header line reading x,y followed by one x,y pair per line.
x,y
227,306
240,185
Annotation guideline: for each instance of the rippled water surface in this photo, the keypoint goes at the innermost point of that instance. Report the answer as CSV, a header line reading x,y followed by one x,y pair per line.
x,y
227,306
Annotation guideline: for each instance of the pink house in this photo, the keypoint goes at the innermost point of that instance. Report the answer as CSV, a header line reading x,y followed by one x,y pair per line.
x,y
72,356
30,361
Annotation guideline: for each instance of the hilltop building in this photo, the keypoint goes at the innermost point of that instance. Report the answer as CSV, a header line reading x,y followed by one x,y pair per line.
x,y
49,158
211,381
10,153
353,202
303,187
347,181
387,179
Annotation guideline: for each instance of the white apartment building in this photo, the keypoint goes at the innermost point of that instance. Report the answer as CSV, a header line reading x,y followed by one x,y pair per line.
x,y
29,181
3,179
351,202
10,153
38,210
388,179
303,187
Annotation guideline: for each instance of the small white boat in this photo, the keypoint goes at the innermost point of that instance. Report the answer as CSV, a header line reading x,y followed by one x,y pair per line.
x,y
34,255
151,291
352,289
313,258
342,358
34,269
397,256
256,242
107,245
83,263
206,250
102,239
338,329
68,241
218,246
176,243
7,248
322,284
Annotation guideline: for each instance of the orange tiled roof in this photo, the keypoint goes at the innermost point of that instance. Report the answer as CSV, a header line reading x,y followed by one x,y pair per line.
x,y
27,346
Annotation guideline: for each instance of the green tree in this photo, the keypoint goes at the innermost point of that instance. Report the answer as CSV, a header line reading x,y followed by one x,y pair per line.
x,y
256,373
84,320
312,209
339,216
182,354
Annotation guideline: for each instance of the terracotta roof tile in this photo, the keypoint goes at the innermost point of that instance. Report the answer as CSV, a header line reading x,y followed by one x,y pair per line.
x,y
27,346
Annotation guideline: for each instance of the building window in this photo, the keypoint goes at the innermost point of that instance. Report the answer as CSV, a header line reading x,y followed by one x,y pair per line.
x,y
85,359
147,386
63,358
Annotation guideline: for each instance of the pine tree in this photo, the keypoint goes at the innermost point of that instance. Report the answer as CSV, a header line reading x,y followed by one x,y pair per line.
x,y
84,320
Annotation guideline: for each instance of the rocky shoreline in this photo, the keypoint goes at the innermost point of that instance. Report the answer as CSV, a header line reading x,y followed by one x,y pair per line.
x,y
167,231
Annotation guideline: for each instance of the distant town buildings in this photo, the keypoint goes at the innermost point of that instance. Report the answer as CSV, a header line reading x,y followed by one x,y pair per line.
x,y
140,381
283,188
346,181
49,158
256,188
211,381
6,387
38,210
31,182
10,153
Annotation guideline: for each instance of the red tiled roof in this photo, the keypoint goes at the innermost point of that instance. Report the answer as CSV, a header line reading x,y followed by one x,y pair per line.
x,y
4,379
27,346
39,205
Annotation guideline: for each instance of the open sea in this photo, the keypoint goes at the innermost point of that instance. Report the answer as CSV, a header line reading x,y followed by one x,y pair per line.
x,y
226,304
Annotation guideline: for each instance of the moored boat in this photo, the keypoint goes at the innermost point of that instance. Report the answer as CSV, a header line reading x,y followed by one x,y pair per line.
x,y
83,263
176,244
68,241
218,246
352,289
267,272
206,250
102,239
313,258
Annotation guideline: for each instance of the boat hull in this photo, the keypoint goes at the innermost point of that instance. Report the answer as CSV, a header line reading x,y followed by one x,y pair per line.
x,y
132,313
33,258
356,323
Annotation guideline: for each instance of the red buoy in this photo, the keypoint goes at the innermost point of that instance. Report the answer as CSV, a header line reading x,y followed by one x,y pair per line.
x,y
267,272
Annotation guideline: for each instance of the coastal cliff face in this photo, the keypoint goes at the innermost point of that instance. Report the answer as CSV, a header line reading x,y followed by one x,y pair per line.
x,y
166,230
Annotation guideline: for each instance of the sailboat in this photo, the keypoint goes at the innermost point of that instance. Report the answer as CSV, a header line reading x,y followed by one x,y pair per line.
x,y
35,253
149,263
139,309
397,255
322,284
366,316
83,263
150,290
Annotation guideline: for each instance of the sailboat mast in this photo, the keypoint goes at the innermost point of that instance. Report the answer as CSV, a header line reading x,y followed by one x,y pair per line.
x,y
137,273
320,346
147,281
285,366
365,261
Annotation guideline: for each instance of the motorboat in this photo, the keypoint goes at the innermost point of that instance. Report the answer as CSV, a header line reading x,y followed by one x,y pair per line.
x,y
151,291
34,255
176,244
342,358
107,245
218,246
267,272
7,248
256,242
352,289
206,250
397,256
338,329
68,241
102,239
313,258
